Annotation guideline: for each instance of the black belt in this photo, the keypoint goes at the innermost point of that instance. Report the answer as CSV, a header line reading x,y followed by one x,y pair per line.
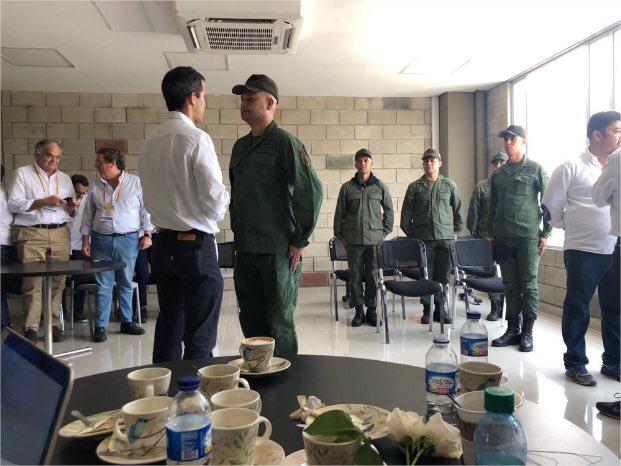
x,y
114,235
49,226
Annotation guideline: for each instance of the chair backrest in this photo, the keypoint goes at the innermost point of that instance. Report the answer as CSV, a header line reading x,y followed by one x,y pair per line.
x,y
226,255
472,252
337,250
402,252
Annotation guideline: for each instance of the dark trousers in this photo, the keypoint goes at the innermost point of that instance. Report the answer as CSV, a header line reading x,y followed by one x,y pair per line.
x,y
8,285
362,263
79,296
189,291
141,276
438,267
585,271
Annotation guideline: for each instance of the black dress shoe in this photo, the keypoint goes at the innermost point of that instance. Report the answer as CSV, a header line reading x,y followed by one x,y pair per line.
x,y
80,318
99,335
445,316
131,328
57,334
609,408
31,334
358,319
425,317
371,317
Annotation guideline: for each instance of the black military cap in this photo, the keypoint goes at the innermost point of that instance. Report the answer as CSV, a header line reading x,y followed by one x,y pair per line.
x,y
257,83
363,153
512,130
500,156
431,153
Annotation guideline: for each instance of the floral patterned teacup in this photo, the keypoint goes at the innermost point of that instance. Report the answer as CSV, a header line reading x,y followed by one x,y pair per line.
x,y
257,353
321,449
237,398
220,377
151,381
234,434
144,422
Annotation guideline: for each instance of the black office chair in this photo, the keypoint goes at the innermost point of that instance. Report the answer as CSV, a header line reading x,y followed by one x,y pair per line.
x,y
402,253
337,253
472,262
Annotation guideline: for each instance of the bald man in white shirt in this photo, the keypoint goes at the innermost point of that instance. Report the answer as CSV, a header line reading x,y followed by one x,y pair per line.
x,y
43,201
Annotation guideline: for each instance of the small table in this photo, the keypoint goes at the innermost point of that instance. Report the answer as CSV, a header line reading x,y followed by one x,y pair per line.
x,y
334,380
50,269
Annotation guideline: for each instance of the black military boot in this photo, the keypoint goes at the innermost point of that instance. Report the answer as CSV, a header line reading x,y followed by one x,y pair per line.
x,y
425,317
358,319
496,310
513,335
526,342
371,318
437,313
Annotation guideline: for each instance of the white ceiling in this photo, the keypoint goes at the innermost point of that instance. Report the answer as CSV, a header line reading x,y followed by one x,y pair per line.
x,y
348,47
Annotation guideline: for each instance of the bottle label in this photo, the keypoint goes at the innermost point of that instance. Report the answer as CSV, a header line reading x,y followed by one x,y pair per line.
x,y
473,346
189,445
440,383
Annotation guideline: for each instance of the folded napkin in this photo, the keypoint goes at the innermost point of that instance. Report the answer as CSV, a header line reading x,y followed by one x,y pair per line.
x,y
308,408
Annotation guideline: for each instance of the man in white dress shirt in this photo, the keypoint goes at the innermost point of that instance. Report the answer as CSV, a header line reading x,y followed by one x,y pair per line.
x,y
588,249
42,197
184,193
114,227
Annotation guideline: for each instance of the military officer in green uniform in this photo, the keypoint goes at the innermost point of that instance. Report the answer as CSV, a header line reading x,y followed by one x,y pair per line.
x,y
517,235
363,218
431,212
275,201
477,222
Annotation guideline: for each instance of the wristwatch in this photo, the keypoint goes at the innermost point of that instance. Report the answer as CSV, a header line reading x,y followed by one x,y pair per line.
x,y
147,235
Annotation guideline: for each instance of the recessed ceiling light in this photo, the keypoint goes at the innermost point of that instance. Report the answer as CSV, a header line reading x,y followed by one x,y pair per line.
x,y
199,61
49,58
430,65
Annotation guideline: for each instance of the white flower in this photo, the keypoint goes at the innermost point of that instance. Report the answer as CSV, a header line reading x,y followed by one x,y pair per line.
x,y
403,424
445,437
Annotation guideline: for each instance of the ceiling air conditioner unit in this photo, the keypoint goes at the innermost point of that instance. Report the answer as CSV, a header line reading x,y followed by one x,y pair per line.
x,y
267,28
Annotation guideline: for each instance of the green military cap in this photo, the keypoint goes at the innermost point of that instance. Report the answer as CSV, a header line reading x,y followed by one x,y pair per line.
x,y
257,83
363,153
431,153
512,130
499,157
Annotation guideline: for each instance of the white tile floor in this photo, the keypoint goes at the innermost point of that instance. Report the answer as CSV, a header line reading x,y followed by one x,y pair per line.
x,y
539,375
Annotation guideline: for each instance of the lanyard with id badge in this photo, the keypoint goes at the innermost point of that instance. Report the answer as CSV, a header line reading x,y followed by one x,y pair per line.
x,y
107,213
46,209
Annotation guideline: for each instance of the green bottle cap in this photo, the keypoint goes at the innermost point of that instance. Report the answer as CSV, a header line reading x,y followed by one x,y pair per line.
x,y
499,400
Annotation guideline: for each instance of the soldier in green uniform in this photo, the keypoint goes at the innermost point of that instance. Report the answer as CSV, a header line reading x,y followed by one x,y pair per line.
x,y
517,237
477,222
275,201
363,218
431,212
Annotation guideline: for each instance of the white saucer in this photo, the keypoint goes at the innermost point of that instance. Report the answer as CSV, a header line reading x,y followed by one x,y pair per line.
x,y
297,458
116,457
278,365
370,419
77,429
267,452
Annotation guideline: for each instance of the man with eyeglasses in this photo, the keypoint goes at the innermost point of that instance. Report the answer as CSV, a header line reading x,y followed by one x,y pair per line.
x,y
43,201
478,212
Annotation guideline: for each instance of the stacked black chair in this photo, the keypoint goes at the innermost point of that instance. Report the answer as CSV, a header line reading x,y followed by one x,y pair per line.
x,y
474,267
404,253
226,260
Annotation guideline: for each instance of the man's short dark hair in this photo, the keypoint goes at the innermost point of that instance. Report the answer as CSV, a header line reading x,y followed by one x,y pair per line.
x,y
600,121
79,179
179,83
110,154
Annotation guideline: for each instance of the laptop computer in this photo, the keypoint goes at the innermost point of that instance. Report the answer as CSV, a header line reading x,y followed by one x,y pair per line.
x,y
34,392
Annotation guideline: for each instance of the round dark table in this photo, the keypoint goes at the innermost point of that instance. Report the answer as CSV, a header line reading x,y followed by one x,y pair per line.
x,y
50,269
332,379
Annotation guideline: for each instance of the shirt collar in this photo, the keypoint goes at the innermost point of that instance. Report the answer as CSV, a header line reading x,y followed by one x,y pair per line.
x,y
590,159
40,171
175,115
106,184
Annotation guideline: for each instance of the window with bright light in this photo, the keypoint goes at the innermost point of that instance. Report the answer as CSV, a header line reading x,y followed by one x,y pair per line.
x,y
554,102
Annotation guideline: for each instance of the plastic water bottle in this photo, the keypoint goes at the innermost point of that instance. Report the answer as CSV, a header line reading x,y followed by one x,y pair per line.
x,y
499,438
188,429
473,338
441,377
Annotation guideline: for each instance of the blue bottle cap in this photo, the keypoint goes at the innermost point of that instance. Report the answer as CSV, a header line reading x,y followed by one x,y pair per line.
x,y
476,315
441,339
188,382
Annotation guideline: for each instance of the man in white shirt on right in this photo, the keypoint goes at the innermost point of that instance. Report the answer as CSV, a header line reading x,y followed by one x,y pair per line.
x,y
183,191
588,249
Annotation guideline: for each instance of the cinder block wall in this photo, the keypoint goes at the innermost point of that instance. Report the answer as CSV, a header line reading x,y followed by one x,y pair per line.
x,y
396,130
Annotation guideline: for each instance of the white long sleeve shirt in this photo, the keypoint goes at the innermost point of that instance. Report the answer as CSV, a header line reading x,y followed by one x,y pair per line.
x,y
30,183
606,190
181,177
6,221
569,200
76,234
116,210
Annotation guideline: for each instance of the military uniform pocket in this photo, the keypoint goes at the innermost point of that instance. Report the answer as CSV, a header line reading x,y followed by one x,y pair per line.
x,y
523,185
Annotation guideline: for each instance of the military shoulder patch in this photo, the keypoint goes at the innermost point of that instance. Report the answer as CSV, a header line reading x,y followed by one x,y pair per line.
x,y
304,158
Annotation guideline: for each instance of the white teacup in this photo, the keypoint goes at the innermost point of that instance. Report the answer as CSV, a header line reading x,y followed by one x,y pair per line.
x,y
151,381
478,375
145,422
220,377
234,434
257,353
321,449
237,398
